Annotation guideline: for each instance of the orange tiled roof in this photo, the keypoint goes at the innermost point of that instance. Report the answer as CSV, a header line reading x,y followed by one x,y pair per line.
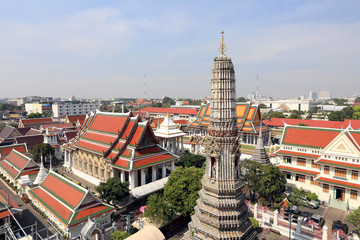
x,y
248,117
279,122
299,170
339,163
5,150
338,182
309,137
188,111
154,159
301,154
117,143
37,120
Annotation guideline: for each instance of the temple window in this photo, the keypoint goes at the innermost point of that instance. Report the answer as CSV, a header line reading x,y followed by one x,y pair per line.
x,y
354,174
326,170
340,172
325,188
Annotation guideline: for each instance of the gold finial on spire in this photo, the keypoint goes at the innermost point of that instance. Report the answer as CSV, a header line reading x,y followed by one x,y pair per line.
x,y
222,46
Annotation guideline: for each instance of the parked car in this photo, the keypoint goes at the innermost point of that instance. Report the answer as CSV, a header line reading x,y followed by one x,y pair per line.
x,y
317,221
311,203
339,225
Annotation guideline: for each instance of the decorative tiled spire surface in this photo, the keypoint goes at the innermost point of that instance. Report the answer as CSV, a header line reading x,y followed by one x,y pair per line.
x,y
260,154
220,212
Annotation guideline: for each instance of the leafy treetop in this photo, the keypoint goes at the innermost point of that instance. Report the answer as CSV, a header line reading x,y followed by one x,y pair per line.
x,y
182,188
113,189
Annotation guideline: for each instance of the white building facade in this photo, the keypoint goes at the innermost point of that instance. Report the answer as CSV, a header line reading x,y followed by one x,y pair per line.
x,y
324,161
70,108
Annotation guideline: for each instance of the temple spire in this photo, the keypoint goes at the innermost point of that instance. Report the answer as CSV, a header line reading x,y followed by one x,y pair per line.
x,y
222,46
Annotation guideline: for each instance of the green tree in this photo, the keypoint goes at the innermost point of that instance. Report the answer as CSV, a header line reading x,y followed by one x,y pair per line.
x,y
262,105
118,235
6,107
182,188
354,218
276,115
295,116
113,189
357,99
35,115
271,184
167,102
250,176
43,148
191,160
159,211
340,101
242,99
356,114
297,197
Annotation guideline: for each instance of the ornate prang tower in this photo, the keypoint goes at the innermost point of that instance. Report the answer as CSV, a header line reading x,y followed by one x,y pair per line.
x,y
220,212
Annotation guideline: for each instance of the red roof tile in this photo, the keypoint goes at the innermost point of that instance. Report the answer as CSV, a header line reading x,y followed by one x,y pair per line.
x,y
189,111
340,164
17,159
5,150
147,151
152,160
311,137
138,133
58,187
89,211
91,146
108,123
36,120
52,203
339,182
299,170
10,169
279,122
98,137
301,154
57,125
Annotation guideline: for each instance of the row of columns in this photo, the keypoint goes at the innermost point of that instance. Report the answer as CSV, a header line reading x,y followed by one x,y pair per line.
x,y
133,176
173,144
298,226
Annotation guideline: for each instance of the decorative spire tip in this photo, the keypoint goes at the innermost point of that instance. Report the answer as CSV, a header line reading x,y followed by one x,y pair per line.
x,y
222,46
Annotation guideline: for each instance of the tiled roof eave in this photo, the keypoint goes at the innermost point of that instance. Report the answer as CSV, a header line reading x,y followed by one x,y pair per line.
x,y
340,164
337,182
300,154
298,170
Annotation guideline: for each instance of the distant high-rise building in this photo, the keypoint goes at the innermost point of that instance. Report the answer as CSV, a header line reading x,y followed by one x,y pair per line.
x,y
221,212
313,95
324,95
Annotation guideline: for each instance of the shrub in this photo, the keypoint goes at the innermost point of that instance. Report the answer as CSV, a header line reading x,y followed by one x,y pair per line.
x,y
254,222
312,196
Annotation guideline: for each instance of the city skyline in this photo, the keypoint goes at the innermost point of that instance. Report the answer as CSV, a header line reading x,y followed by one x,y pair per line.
x,y
93,50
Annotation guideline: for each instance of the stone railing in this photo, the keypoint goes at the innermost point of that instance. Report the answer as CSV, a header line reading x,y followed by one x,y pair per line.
x,y
276,222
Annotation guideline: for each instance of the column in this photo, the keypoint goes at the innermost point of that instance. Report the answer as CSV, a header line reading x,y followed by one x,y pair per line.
x,y
256,211
298,226
276,215
143,177
154,173
163,171
122,176
132,180
182,143
172,165
325,233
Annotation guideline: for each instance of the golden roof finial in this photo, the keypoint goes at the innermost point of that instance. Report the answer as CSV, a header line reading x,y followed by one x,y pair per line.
x,y
222,46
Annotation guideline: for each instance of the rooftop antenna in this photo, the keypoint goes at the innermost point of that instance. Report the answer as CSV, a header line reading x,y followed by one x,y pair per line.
x,y
257,87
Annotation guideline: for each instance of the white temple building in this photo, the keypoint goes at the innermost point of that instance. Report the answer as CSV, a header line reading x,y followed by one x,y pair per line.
x,y
170,136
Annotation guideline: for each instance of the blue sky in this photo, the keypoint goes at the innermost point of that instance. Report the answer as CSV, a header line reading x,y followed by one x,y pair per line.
x,y
102,49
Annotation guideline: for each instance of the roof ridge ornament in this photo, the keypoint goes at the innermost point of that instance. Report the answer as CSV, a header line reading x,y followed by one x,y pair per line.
x,y
222,47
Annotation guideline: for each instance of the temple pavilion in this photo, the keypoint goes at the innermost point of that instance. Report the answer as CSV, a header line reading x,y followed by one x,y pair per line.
x,y
248,120
118,145
170,136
